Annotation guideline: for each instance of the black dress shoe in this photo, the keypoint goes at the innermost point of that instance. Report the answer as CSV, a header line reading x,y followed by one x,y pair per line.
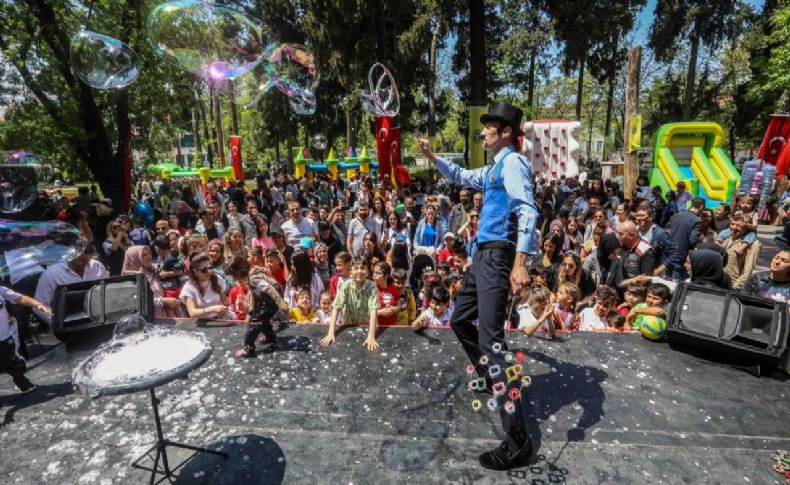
x,y
509,454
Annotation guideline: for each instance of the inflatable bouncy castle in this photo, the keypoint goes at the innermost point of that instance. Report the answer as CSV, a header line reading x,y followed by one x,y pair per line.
x,y
692,152
553,147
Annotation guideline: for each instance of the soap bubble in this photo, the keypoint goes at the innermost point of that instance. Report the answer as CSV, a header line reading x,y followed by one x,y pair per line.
x,y
296,71
382,99
319,141
210,40
103,62
21,175
27,246
303,104
246,90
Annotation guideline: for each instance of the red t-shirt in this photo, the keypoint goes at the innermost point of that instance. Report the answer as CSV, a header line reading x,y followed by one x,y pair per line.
x,y
389,296
447,255
334,283
279,276
236,298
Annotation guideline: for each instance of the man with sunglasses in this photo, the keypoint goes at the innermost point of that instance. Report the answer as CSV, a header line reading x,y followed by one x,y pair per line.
x,y
506,239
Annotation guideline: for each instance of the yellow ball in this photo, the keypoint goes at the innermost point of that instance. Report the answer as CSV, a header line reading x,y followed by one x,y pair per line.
x,y
652,328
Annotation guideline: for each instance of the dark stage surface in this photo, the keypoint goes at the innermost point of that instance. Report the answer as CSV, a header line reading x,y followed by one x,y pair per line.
x,y
606,409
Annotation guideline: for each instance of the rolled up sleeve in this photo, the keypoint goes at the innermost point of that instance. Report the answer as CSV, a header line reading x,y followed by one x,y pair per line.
x,y
517,177
461,176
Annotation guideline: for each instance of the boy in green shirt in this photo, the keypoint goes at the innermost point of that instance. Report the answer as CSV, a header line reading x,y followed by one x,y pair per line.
x,y
360,301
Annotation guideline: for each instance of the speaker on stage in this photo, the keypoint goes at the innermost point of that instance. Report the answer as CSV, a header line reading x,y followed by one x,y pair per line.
x,y
743,329
88,305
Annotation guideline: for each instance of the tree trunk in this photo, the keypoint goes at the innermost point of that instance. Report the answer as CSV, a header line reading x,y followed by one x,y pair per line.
x,y
607,131
692,72
220,131
206,136
732,141
276,148
198,154
477,53
531,80
631,109
580,88
437,32
234,119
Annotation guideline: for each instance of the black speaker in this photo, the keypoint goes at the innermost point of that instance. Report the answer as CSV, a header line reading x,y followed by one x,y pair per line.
x,y
86,305
742,329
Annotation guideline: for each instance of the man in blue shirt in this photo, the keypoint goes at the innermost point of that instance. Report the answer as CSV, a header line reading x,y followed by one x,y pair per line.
x,y
505,238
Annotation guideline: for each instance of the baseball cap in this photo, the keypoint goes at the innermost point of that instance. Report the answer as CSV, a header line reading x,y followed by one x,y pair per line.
x,y
276,230
306,242
449,234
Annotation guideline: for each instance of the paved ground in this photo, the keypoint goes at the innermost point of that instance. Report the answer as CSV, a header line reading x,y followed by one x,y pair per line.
x,y
604,409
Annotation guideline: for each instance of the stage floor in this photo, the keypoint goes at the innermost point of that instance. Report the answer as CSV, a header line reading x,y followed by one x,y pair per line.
x,y
605,409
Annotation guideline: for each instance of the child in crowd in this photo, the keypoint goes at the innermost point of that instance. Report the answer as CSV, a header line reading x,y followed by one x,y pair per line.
x,y
140,235
388,294
461,260
594,318
443,269
536,310
453,283
360,301
263,304
303,313
407,311
438,314
565,317
615,321
748,211
634,295
324,312
657,303
446,254
537,274
169,267
239,270
10,361
343,268
430,280
275,264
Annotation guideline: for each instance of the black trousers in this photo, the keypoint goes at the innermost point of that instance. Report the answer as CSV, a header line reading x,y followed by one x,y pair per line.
x,y
484,297
255,328
10,361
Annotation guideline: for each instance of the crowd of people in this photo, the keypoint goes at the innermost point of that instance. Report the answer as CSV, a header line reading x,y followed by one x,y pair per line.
x,y
352,252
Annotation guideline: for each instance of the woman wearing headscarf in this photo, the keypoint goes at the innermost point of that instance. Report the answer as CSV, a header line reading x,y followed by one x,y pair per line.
x,y
604,263
558,228
138,260
706,268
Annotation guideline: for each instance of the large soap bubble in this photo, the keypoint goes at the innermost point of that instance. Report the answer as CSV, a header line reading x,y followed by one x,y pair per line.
x,y
103,62
319,141
27,246
21,175
383,98
246,90
207,39
303,104
296,71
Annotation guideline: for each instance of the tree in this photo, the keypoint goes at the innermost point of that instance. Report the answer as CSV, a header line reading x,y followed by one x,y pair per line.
x,y
701,22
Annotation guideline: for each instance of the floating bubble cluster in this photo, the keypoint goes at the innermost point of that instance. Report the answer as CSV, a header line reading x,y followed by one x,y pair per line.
x,y
26,246
383,98
296,71
21,175
247,89
207,39
103,62
303,104
319,141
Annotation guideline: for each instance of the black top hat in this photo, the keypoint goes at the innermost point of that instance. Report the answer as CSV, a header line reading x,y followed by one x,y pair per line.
x,y
505,113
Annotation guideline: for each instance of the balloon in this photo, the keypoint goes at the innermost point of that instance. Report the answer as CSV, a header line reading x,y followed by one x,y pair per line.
x,y
207,39
383,98
103,62
21,175
319,141
144,212
296,71
24,246
303,104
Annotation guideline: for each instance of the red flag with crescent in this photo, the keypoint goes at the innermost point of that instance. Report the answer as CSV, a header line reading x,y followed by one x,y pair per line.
x,y
400,173
776,137
383,140
235,156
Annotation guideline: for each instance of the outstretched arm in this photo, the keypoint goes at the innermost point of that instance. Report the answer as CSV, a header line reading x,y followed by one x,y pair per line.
x,y
452,172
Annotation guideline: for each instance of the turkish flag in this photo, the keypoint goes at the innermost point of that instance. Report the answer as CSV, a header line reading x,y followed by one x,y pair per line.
x,y
383,141
400,172
776,138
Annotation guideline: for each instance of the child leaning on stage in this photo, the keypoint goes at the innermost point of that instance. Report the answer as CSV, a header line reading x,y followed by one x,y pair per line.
x,y
303,313
359,299
537,312
263,304
324,312
438,312
594,318
659,297
407,304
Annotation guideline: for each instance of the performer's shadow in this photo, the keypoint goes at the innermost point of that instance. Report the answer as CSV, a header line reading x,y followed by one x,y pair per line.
x,y
563,384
